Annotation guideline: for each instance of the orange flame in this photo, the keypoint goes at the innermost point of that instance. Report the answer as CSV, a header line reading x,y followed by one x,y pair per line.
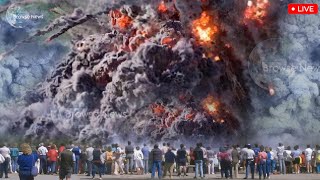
x,y
121,20
162,7
158,109
204,29
256,10
210,105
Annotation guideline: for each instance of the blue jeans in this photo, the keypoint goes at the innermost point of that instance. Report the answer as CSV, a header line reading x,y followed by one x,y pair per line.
x,y
14,164
97,167
53,166
273,166
318,167
282,165
199,164
146,165
262,169
43,164
269,167
250,164
76,165
156,165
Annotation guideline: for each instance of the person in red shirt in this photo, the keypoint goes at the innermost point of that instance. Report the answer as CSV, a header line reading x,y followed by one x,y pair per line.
x,y
52,158
262,162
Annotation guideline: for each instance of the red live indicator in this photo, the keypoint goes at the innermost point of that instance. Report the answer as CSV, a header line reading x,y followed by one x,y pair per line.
x,y
303,8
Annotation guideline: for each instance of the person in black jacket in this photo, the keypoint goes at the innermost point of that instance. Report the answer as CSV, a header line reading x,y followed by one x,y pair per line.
x,y
156,159
198,155
129,150
169,158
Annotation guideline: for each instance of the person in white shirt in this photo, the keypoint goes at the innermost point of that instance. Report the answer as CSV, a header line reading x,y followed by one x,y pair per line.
x,y
308,153
272,158
280,151
249,155
5,152
42,151
138,158
89,152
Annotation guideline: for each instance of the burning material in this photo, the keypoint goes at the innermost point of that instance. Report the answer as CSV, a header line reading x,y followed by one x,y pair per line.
x,y
204,28
256,10
162,8
210,105
120,20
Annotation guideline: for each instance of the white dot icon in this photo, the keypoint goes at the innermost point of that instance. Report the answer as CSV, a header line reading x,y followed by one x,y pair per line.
x,y
293,9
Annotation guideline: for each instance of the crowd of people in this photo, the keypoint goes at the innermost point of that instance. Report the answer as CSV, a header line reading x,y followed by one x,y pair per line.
x,y
165,160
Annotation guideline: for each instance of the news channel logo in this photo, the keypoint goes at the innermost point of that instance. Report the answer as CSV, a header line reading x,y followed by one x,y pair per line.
x,y
24,16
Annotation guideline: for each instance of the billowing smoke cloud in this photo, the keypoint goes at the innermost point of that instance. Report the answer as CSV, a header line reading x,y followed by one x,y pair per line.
x,y
139,71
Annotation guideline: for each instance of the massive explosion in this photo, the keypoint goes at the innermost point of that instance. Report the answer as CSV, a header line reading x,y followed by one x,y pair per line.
x,y
170,70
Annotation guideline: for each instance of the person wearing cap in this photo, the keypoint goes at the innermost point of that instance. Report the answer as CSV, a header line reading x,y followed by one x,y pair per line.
x,y
249,154
42,151
67,159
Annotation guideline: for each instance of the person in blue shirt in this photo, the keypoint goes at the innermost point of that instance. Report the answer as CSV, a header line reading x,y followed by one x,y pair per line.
x,y
77,151
145,151
26,161
14,153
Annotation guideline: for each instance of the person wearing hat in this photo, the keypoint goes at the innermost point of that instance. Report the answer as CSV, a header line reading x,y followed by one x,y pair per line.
x,y
42,151
67,160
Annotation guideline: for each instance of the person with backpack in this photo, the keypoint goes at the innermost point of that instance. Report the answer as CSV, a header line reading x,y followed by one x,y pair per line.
x,y
77,151
129,150
26,162
14,153
97,163
262,161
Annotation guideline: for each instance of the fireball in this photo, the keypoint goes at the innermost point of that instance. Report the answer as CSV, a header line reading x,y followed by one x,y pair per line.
x,y
210,105
204,28
256,10
162,7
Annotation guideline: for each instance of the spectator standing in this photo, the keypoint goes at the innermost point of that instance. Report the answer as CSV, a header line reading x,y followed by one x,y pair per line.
x,y
317,158
169,163
249,154
26,161
77,152
145,151
42,151
280,154
97,163
205,159
296,159
262,162
138,159
129,151
118,160
268,162
308,154
67,159
109,160
235,156
288,159
52,158
89,152
14,153
211,155
198,155
156,159
4,167
182,160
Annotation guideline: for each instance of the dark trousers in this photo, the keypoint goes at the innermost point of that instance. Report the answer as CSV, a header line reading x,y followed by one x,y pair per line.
x,y
43,164
129,165
250,164
108,167
97,168
76,164
226,168
4,168
89,167
25,175
262,166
